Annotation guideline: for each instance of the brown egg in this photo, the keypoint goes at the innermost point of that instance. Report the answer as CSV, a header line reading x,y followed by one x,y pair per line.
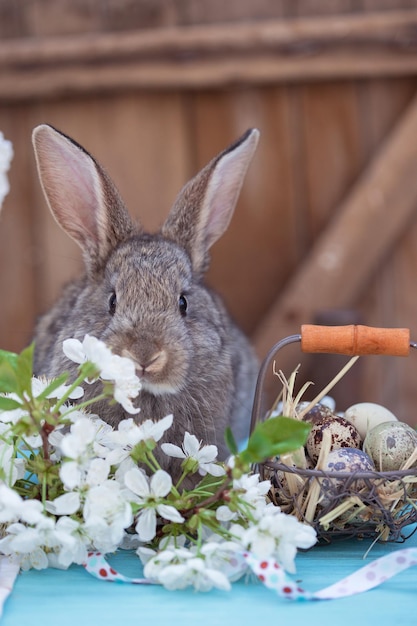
x,y
342,434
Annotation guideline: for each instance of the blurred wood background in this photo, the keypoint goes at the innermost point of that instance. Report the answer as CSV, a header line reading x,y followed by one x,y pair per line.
x,y
326,226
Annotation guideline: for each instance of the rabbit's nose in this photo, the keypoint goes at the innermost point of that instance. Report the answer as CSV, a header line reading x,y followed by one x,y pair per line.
x,y
146,363
155,363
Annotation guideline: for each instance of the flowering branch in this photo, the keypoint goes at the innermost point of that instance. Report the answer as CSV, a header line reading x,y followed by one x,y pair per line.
x,y
72,484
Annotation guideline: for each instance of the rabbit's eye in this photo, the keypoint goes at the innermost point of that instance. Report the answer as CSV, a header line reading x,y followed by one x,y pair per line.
x,y
112,303
183,304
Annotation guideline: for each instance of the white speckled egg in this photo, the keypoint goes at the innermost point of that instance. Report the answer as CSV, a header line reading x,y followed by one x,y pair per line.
x,y
390,444
343,433
365,415
348,460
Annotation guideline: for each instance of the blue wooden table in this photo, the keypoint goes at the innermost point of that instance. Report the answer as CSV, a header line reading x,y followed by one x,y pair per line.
x,y
75,598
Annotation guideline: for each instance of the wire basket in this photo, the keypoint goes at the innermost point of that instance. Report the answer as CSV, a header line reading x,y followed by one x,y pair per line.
x,y
375,504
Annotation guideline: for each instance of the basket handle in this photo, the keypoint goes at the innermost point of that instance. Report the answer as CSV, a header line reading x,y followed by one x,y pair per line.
x,y
355,340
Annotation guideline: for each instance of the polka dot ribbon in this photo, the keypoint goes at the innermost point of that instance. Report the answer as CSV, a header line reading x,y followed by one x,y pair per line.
x,y
273,576
9,570
97,565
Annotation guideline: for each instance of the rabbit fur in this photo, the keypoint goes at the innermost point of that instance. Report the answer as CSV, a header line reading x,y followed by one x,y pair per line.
x,y
143,294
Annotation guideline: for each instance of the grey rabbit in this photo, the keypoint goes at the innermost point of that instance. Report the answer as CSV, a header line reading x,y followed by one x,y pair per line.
x,y
143,294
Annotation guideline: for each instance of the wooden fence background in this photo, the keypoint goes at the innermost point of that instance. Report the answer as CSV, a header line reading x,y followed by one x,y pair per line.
x,y
326,226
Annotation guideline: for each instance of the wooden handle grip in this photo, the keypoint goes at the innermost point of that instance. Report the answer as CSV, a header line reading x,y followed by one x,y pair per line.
x,y
355,340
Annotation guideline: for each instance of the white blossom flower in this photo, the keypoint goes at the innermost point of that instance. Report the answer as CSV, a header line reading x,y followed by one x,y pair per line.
x,y
79,441
155,561
251,490
149,495
36,559
6,155
107,513
276,535
90,349
12,468
72,416
14,508
32,543
180,568
74,550
145,554
129,434
204,457
225,556
81,445
113,367
125,389
39,385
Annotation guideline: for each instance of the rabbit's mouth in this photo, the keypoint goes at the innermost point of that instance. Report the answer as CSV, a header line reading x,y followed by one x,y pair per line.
x,y
157,389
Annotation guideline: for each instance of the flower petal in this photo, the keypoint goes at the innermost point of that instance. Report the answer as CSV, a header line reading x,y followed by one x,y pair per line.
x,y
171,450
146,525
137,482
224,514
191,445
170,513
70,474
161,483
73,350
207,454
67,504
212,468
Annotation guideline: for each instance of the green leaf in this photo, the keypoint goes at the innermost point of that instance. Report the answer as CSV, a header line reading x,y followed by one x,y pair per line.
x,y
8,404
24,369
9,381
230,441
275,436
16,371
11,357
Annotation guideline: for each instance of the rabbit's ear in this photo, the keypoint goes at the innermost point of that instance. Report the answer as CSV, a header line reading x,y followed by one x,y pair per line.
x,y
82,198
204,207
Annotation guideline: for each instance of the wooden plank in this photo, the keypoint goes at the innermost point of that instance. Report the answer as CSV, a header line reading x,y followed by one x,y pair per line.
x,y
212,56
344,258
331,160
389,299
10,20
42,18
17,260
259,247
397,377
332,146
218,11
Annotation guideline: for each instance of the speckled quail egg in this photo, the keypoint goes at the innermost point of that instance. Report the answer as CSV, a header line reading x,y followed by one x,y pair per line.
x,y
342,433
365,415
348,460
316,412
390,444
